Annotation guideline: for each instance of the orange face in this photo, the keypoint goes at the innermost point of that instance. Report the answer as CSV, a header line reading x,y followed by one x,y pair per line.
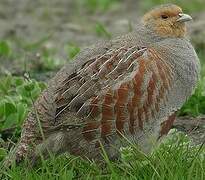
x,y
167,21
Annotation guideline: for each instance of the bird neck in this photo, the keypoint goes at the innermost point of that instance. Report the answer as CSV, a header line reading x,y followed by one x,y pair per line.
x,y
172,30
147,35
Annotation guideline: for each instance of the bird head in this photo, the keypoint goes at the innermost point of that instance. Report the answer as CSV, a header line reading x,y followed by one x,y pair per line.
x,y
167,20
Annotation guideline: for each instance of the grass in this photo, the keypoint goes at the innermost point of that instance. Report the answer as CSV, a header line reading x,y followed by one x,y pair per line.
x,y
174,159
15,93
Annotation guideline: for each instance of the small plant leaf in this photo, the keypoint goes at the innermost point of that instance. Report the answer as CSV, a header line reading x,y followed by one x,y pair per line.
x,y
72,50
101,30
10,121
4,49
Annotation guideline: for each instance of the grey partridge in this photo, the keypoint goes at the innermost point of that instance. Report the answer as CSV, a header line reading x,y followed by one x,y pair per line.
x,y
129,87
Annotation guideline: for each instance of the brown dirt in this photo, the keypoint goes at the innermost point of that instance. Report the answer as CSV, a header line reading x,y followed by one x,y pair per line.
x,y
193,127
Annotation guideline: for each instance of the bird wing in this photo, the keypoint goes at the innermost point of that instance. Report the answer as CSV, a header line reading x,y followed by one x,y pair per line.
x,y
117,91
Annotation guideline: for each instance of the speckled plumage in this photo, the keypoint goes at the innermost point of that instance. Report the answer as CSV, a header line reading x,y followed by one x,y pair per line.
x,y
128,86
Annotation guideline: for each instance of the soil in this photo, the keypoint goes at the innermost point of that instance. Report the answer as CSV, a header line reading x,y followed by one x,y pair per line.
x,y
193,127
62,22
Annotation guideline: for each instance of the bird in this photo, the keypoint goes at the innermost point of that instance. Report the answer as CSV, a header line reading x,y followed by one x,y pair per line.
x,y
125,89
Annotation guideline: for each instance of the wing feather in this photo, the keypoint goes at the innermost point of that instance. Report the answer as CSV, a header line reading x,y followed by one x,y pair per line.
x,y
122,93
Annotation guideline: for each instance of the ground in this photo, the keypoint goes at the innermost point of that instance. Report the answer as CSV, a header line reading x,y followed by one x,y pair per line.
x,y
54,31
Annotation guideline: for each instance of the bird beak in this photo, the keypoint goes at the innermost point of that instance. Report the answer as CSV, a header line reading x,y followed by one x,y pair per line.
x,y
184,17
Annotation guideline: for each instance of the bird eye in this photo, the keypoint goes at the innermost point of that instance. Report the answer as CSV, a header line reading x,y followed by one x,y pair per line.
x,y
164,16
